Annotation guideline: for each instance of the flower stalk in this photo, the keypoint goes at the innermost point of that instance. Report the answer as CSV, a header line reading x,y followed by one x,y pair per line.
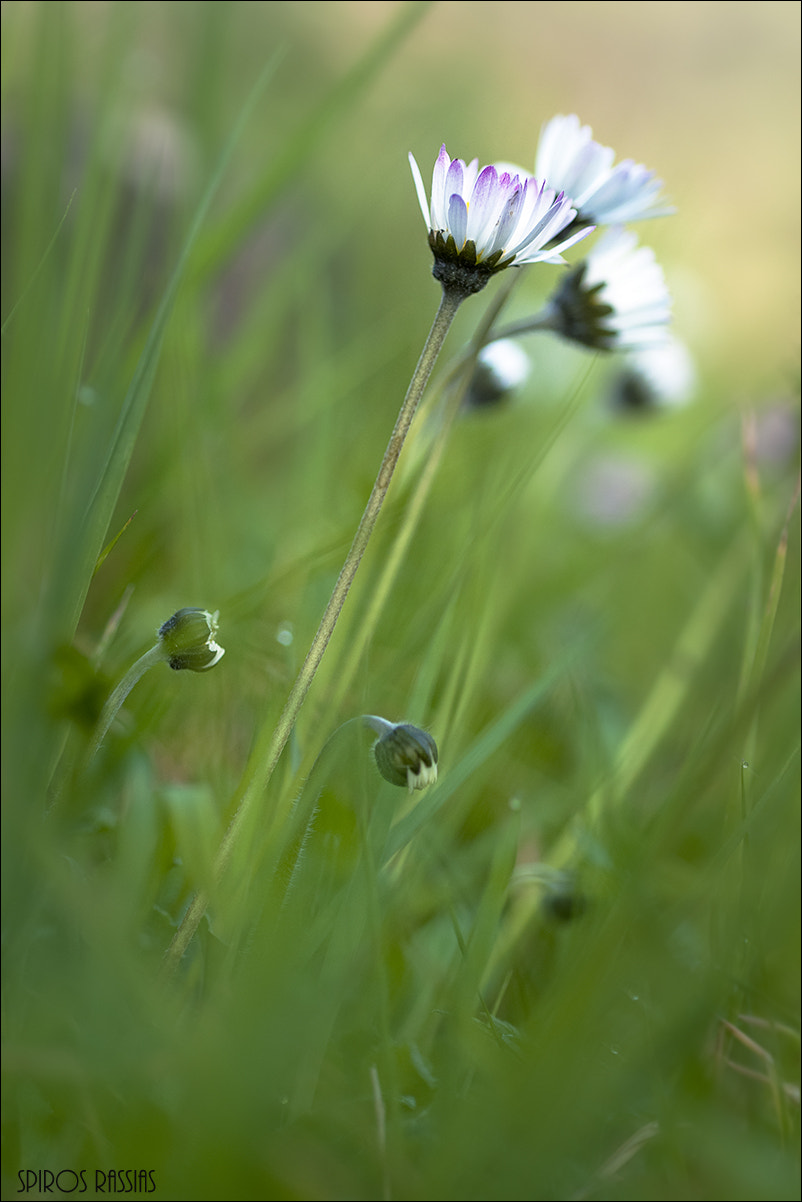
x,y
118,697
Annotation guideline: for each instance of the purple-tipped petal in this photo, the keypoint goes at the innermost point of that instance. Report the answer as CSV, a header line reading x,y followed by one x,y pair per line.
x,y
458,220
454,178
494,218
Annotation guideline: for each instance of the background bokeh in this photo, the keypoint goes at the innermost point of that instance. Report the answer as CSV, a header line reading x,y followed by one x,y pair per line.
x,y
572,967
705,93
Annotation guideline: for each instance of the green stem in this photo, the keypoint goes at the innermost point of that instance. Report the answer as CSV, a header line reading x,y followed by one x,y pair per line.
x,y
269,746
455,384
544,320
115,701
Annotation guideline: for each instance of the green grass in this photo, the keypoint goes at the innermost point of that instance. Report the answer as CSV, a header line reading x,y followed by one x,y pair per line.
x,y
570,969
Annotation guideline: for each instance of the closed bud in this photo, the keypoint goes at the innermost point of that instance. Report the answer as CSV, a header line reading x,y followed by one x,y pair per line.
x,y
188,640
405,755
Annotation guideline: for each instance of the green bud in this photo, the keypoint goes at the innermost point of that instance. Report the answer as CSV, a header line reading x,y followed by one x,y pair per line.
x,y
405,755
188,640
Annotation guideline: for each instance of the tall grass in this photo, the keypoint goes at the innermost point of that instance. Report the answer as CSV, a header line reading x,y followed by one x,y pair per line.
x,y
568,969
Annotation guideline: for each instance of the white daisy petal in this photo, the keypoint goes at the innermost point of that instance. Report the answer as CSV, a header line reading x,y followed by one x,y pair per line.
x,y
571,161
617,298
421,190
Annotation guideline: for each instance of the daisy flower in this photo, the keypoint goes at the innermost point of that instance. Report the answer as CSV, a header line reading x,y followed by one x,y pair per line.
x,y
616,299
603,194
501,368
480,222
655,378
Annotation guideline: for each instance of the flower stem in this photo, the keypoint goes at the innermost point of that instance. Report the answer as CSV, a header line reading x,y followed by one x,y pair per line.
x,y
454,385
115,701
544,320
269,746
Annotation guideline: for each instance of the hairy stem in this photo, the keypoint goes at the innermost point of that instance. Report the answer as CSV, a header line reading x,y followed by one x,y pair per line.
x,y
455,385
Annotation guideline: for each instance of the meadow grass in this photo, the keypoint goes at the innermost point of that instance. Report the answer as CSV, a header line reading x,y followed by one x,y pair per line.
x,y
570,969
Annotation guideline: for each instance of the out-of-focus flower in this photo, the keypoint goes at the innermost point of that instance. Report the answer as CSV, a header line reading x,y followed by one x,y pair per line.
x,y
612,491
615,299
405,755
501,368
655,377
480,222
771,436
187,640
569,159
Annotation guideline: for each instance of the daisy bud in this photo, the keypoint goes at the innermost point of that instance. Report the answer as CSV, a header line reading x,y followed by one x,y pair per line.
x,y
404,754
187,639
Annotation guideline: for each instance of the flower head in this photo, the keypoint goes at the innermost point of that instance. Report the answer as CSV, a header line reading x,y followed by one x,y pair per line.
x,y
480,222
615,299
404,754
655,378
568,158
501,367
187,640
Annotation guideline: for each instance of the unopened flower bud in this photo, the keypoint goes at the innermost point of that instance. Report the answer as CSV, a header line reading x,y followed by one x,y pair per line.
x,y
188,640
405,755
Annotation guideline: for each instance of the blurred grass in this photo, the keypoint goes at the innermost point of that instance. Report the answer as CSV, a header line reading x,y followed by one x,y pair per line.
x,y
571,969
